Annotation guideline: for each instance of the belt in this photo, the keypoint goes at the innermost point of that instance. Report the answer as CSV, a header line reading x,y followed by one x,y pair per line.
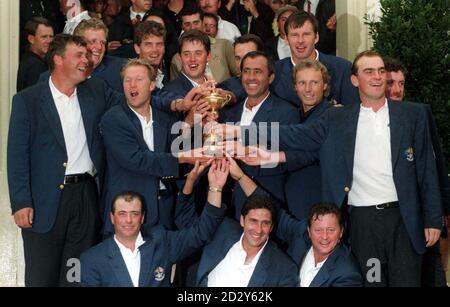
x,y
76,178
387,205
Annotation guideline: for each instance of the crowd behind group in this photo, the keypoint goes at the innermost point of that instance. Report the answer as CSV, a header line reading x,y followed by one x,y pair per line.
x,y
320,174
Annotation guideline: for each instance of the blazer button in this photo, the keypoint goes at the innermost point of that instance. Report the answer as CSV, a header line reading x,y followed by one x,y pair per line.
x,y
65,164
61,187
159,197
346,189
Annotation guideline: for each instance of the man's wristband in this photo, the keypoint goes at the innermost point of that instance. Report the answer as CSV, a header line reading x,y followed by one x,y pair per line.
x,y
211,189
242,176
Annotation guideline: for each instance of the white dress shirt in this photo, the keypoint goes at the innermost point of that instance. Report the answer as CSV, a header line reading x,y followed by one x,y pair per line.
x,y
232,270
147,132
373,181
194,84
227,30
309,269
79,160
283,49
248,115
159,79
316,58
133,15
72,23
132,258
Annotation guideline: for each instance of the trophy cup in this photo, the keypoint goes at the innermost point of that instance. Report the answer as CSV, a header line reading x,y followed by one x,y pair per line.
x,y
216,101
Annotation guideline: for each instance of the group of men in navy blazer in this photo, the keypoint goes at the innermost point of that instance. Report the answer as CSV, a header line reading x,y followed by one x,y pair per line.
x,y
302,35
134,259
376,158
101,66
89,145
314,243
316,238
241,253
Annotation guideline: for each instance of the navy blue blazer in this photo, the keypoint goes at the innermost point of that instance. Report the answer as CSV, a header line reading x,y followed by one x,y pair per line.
x,y
180,85
121,29
339,270
274,268
272,110
342,90
37,151
176,88
303,184
131,165
108,70
103,264
441,165
234,84
271,47
415,178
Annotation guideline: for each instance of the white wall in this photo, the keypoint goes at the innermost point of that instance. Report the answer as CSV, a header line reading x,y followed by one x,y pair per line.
x,y
352,33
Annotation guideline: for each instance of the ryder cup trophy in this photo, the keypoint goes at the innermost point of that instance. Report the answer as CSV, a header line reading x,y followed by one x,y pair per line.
x,y
216,101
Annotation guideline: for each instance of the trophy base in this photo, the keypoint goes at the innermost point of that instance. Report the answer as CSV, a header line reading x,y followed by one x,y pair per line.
x,y
211,149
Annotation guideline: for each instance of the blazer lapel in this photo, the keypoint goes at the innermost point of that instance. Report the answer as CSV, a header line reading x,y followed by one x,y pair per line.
x,y
135,121
322,276
159,132
218,257
101,67
349,136
146,272
396,130
324,273
51,114
234,113
260,273
88,113
287,90
118,265
263,114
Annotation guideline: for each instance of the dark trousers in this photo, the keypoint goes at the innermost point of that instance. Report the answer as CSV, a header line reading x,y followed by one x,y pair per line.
x,y
383,249
433,274
51,259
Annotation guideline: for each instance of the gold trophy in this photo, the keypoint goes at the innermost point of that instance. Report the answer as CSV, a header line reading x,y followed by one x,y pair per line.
x,y
216,101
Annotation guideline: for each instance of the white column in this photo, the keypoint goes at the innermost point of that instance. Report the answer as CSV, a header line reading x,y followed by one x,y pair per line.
x,y
11,252
352,34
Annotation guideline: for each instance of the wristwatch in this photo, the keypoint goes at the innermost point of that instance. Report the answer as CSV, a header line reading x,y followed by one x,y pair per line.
x,y
176,102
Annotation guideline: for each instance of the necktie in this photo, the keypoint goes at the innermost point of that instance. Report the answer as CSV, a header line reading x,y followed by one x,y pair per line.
x,y
309,7
136,21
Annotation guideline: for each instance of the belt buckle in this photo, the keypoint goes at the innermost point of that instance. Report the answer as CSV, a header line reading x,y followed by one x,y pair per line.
x,y
64,182
379,207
